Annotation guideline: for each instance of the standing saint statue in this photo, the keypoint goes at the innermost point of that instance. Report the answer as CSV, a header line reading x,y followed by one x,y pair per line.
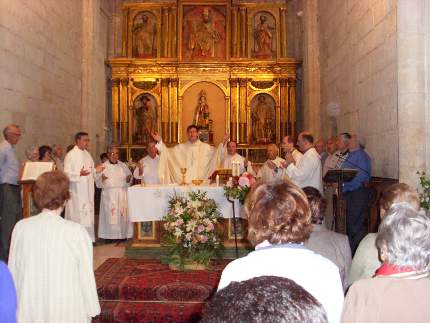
x,y
262,121
263,39
203,37
144,34
144,121
201,117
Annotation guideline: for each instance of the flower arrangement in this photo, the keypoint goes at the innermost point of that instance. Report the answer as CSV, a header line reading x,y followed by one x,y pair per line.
x,y
191,231
238,187
425,194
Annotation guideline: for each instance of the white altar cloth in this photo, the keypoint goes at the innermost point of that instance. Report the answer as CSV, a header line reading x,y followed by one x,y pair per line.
x,y
151,202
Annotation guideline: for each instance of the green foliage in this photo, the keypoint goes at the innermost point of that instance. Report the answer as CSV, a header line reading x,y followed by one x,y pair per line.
x,y
425,194
236,192
191,229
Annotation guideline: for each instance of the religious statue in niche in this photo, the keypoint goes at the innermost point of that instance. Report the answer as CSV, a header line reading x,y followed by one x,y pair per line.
x,y
264,36
145,118
202,120
204,33
145,35
263,119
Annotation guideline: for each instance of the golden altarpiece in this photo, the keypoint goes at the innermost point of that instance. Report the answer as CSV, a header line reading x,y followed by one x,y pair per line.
x,y
216,63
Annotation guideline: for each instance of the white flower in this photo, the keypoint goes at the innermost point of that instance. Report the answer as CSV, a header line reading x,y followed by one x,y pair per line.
x,y
177,233
195,204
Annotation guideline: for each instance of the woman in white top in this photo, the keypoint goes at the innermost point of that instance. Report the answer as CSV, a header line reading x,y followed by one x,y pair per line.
x,y
279,221
51,260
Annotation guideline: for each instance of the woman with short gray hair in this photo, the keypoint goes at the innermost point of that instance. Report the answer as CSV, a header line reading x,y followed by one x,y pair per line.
x,y
400,289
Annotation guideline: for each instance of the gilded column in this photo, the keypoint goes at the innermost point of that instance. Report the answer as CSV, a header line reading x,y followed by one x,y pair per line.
x,y
242,110
234,31
292,106
243,28
123,112
165,109
234,109
165,30
174,109
115,111
283,25
124,32
283,95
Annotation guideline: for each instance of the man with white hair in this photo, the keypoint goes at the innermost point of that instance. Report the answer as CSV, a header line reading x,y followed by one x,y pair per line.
x,y
10,192
356,192
231,155
147,167
57,154
114,222
32,153
272,168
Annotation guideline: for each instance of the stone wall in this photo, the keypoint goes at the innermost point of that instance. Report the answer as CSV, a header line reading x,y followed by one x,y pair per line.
x,y
358,56
414,88
41,70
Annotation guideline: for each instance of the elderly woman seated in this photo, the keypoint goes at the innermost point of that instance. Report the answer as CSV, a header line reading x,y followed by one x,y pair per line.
x,y
51,260
400,290
366,260
279,221
332,245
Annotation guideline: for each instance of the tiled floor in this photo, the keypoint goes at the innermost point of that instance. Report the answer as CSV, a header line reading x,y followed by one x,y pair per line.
x,y
103,251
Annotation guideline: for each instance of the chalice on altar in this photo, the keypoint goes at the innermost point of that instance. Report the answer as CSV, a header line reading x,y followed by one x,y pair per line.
x,y
183,172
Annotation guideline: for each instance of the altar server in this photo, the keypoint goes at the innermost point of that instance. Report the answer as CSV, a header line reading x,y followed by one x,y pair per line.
x,y
147,168
199,158
307,171
51,260
114,222
271,169
79,167
230,155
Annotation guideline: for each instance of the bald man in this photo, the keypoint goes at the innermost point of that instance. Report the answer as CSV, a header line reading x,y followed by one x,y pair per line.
x,y
271,169
10,192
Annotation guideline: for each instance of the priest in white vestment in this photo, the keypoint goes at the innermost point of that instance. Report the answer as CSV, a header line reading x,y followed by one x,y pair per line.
x,y
114,222
308,170
271,169
230,155
79,167
289,147
51,260
199,158
147,167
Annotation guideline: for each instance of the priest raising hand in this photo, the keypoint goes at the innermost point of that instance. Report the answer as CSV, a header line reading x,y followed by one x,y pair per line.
x,y
199,158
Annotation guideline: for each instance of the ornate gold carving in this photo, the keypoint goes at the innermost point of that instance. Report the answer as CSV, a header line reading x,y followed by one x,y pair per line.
x,y
262,84
145,85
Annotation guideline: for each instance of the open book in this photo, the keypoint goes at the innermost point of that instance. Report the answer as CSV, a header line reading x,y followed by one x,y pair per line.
x,y
32,170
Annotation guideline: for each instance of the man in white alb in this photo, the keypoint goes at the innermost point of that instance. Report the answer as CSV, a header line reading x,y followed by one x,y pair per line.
x,y
227,159
79,167
199,158
307,171
271,169
289,146
147,167
114,222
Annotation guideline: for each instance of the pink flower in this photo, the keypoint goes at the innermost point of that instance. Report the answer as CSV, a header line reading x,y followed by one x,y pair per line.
x,y
209,227
203,239
200,228
252,181
244,181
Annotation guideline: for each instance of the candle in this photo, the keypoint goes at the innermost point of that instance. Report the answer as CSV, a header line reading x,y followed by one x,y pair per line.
x,y
217,180
162,180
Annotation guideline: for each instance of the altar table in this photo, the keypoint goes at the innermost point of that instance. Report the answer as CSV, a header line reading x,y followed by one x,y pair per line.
x,y
151,202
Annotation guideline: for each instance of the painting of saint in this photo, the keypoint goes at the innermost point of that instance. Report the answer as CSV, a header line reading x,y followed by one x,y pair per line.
x,y
263,119
204,31
145,35
264,35
144,118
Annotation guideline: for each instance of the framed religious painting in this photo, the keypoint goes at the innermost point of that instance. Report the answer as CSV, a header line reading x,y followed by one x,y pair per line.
x,y
203,36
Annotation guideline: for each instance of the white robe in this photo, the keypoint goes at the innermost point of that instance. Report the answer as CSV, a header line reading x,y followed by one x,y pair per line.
x,y
227,162
150,170
266,174
51,261
114,222
80,207
199,158
307,172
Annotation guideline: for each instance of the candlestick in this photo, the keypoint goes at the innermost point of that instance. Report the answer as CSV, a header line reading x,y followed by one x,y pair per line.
x,y
217,180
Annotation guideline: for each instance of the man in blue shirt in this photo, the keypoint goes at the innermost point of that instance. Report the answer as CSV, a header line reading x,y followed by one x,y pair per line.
x,y
356,193
10,192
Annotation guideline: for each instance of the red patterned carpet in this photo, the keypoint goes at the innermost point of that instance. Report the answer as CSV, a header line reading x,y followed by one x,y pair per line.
x,y
148,291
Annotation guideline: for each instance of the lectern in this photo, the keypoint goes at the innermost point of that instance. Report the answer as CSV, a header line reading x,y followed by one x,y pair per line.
x,y
339,176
